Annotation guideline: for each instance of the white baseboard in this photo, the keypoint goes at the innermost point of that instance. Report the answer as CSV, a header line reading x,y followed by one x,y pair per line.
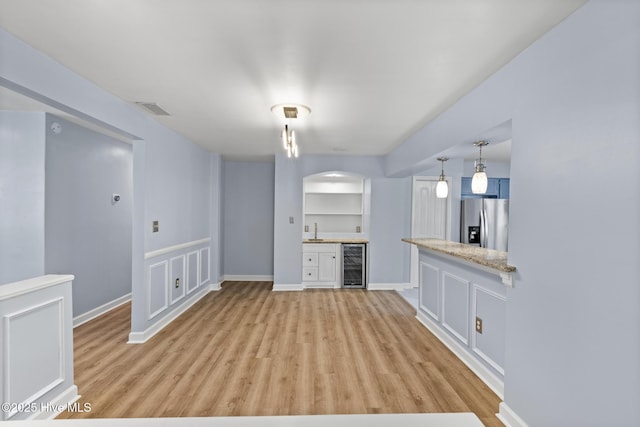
x,y
509,418
288,287
247,278
142,337
99,311
388,286
488,377
57,405
215,286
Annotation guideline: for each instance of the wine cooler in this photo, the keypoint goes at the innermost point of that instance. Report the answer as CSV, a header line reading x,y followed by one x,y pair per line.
x,y
354,265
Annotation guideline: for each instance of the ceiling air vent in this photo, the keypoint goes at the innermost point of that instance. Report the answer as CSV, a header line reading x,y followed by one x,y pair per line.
x,y
152,108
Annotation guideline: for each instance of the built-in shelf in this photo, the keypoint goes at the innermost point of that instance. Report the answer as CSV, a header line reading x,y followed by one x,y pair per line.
x,y
334,203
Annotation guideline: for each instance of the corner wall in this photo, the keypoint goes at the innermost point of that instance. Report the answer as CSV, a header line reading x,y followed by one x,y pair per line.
x,y
248,219
22,154
87,234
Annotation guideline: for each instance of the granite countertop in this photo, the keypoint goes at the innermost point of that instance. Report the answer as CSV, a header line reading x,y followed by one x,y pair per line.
x,y
335,240
474,254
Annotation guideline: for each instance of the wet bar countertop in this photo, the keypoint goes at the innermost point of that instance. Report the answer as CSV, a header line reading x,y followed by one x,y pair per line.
x,y
491,258
335,240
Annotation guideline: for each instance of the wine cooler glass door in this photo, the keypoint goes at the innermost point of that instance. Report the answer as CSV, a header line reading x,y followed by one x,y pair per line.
x,y
353,266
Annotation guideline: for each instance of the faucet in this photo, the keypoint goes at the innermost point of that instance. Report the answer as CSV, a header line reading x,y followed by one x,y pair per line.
x,y
315,231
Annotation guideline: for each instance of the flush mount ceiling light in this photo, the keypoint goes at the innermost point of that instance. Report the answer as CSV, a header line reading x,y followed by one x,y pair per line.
x,y
442,188
288,112
291,111
479,181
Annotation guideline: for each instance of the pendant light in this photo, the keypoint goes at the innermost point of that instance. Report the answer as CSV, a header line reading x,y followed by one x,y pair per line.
x,y
290,112
442,188
479,182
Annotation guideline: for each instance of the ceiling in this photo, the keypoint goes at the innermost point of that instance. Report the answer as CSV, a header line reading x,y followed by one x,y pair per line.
x,y
372,71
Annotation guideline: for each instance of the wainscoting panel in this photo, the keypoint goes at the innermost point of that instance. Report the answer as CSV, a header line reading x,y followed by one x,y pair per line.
x,y
185,265
33,337
36,339
455,306
177,283
204,266
193,271
491,307
429,291
157,288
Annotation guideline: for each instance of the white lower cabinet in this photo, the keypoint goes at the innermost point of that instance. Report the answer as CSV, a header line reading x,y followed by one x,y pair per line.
x,y
320,265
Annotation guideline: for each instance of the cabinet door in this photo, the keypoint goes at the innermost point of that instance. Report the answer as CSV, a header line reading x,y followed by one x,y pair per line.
x,y
492,188
504,188
327,267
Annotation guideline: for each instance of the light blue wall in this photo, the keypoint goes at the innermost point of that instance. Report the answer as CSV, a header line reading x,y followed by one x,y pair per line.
x,y
177,192
248,218
216,217
390,222
576,130
86,234
573,319
495,169
22,152
287,237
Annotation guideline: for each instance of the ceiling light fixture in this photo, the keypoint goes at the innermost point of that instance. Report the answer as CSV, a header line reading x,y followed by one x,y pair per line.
x,y
289,112
442,187
479,181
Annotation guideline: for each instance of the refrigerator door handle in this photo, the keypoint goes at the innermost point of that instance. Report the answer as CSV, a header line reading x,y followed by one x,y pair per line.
x,y
483,228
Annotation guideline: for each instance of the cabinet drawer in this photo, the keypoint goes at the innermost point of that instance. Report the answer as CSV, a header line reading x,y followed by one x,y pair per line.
x,y
310,274
310,259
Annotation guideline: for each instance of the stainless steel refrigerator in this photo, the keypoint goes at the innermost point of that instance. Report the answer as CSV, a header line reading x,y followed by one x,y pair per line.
x,y
485,222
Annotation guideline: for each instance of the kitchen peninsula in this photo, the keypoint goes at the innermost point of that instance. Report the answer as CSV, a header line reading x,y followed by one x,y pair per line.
x,y
462,299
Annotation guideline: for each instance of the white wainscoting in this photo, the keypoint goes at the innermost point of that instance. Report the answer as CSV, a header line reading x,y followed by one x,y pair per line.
x,y
157,288
37,332
193,271
176,279
474,341
37,345
429,290
186,262
455,293
205,266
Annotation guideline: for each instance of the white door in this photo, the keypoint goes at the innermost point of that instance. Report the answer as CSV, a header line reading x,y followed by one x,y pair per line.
x,y
429,217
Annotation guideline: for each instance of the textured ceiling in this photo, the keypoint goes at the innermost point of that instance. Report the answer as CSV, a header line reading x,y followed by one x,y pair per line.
x,y
373,72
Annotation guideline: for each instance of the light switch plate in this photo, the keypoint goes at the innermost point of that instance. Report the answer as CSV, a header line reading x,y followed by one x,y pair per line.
x,y
290,220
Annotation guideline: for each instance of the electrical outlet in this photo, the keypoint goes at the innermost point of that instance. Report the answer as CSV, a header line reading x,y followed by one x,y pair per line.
x,y
178,282
478,325
306,228
290,220
156,226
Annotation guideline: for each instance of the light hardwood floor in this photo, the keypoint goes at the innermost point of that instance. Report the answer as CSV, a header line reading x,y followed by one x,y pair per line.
x,y
245,350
